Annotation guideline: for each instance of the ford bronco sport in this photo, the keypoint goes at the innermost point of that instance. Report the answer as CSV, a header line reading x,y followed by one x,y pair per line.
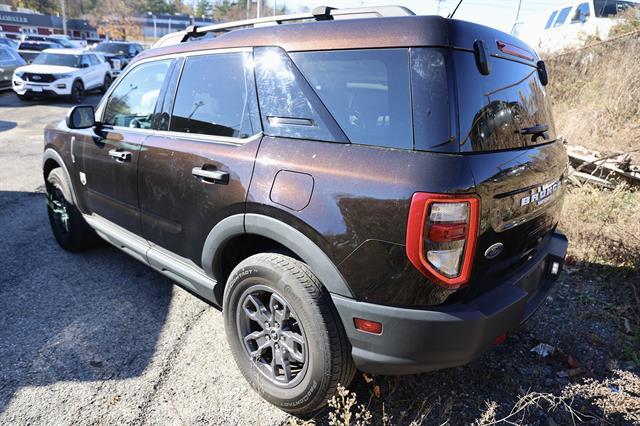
x,y
353,188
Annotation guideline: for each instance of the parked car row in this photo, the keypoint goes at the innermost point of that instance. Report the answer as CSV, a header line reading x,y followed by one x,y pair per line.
x,y
55,66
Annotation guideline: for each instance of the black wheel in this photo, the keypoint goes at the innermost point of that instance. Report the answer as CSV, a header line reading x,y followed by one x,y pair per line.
x,y
69,228
105,84
285,333
77,91
25,97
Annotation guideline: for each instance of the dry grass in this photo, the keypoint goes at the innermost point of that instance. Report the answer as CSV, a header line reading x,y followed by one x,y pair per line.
x,y
596,95
603,227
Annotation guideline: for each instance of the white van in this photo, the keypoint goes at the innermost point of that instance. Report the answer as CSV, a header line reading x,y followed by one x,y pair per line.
x,y
568,26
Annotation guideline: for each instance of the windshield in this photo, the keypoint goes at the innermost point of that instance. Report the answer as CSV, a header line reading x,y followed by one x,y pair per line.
x,y
119,48
63,42
58,59
605,8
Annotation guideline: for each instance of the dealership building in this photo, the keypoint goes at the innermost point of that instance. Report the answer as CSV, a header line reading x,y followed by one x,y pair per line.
x,y
15,23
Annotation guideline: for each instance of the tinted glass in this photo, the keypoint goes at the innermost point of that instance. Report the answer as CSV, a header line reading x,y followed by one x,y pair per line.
x,y
289,106
58,59
507,109
5,55
604,8
551,18
581,13
431,107
366,91
114,48
215,97
562,16
93,59
133,101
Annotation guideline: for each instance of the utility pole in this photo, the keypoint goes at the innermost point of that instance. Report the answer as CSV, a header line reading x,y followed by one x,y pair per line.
x,y
518,12
439,4
63,6
258,12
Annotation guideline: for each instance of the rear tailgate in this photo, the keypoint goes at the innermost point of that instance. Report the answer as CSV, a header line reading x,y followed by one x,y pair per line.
x,y
508,135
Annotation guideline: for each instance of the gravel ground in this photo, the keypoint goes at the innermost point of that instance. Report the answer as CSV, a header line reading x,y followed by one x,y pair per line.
x,y
100,338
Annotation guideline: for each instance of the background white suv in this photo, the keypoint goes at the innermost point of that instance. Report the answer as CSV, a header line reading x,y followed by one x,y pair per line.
x,y
62,72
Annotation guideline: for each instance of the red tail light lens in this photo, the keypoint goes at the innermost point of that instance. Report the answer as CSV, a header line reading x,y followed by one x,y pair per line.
x,y
441,236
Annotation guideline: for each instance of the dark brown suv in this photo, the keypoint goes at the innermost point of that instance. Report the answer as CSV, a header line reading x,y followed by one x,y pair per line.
x,y
359,188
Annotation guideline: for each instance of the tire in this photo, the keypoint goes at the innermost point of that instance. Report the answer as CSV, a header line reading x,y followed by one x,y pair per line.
x,y
277,282
105,84
25,97
69,228
77,91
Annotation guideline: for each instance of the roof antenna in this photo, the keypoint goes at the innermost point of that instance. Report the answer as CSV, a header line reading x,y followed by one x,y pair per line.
x,y
454,10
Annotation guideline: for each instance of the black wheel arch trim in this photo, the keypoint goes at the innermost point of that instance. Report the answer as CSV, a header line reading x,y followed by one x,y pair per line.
x,y
280,232
52,154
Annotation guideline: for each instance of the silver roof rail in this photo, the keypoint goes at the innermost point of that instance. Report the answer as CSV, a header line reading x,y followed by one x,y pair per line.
x,y
320,13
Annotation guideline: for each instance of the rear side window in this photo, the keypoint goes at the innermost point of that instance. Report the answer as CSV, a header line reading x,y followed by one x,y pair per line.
x,y
551,18
562,16
289,107
507,109
216,97
366,91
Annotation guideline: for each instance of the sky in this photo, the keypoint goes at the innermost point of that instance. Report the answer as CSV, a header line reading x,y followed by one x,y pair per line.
x,y
500,14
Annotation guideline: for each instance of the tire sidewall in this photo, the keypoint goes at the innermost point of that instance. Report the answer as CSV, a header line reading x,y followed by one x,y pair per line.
x,y
56,180
76,97
318,359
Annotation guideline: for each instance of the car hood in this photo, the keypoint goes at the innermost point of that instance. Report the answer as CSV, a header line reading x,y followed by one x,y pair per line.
x,y
46,69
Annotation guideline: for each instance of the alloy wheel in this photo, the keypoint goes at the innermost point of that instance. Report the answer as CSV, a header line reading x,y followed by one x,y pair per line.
x,y
272,336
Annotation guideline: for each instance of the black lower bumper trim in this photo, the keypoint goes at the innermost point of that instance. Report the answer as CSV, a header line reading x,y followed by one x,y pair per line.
x,y
418,340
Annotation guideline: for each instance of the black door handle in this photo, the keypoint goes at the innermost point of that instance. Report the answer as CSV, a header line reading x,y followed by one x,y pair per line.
x,y
210,176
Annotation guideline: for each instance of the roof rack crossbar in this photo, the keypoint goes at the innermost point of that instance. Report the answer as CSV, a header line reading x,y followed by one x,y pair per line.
x,y
320,13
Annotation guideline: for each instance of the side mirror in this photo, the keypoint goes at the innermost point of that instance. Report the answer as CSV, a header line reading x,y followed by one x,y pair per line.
x,y
85,65
542,73
81,117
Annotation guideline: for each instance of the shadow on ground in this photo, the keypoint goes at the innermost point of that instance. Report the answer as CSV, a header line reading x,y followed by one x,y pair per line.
x,y
70,317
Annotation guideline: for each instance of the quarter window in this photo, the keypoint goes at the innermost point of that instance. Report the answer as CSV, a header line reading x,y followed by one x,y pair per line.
x,y
216,96
366,91
133,101
562,17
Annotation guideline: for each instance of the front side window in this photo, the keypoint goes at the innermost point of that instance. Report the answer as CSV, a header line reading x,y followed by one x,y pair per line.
x,y
94,60
132,102
216,96
366,91
581,14
551,18
562,17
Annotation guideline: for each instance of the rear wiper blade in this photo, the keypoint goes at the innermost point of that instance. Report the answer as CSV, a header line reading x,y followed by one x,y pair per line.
x,y
538,129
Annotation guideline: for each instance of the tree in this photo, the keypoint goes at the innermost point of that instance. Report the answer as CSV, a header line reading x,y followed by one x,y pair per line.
x,y
116,19
202,8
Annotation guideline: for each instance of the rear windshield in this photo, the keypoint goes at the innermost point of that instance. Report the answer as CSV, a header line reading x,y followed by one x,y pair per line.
x,y
507,109
115,48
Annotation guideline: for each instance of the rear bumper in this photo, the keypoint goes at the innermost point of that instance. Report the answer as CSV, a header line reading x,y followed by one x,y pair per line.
x,y
418,340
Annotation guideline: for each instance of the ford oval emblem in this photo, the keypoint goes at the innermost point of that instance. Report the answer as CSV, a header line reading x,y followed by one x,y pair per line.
x,y
494,250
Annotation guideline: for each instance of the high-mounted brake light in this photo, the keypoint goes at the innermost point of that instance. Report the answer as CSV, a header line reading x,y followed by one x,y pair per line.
x,y
441,236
